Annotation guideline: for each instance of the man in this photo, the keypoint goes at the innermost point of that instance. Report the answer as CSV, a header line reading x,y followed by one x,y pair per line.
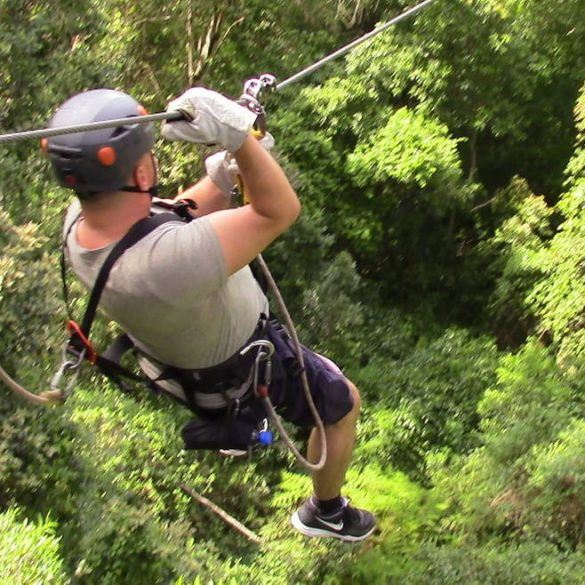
x,y
184,293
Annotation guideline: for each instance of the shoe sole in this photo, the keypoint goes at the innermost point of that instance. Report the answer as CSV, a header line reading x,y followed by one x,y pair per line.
x,y
315,532
233,452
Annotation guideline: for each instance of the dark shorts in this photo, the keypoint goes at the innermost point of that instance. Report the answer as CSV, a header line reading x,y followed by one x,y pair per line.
x,y
328,385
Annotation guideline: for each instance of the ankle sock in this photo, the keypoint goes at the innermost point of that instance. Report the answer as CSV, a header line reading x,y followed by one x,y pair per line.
x,y
328,507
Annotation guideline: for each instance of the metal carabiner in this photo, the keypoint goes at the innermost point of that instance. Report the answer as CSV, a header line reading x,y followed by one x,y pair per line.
x,y
263,343
69,368
255,90
257,87
264,355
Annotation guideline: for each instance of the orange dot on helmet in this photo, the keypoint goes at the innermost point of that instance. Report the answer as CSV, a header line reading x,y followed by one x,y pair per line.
x,y
107,156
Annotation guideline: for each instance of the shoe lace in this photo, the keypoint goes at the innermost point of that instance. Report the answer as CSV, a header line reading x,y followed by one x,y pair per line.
x,y
351,514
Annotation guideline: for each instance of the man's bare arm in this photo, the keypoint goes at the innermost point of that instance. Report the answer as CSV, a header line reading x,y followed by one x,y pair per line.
x,y
208,197
244,232
274,206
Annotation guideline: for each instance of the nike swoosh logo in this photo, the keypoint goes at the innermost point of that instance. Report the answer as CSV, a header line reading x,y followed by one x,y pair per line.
x,y
336,526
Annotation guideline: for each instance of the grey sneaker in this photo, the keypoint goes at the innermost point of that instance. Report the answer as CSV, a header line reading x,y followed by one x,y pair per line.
x,y
349,524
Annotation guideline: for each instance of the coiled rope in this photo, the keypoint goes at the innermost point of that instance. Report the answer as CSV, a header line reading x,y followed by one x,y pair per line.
x,y
304,381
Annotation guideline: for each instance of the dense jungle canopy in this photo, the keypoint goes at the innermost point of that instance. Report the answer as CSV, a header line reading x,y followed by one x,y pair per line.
x,y
440,258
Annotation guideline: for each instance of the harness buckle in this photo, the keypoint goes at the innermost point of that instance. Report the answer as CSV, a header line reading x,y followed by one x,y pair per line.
x,y
77,334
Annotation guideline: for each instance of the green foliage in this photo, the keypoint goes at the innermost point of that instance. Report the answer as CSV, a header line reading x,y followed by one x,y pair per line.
x,y
556,484
418,175
32,446
321,288
299,257
29,553
366,132
576,166
558,299
29,297
433,394
330,316
494,564
540,286
517,248
531,409
530,404
130,451
411,150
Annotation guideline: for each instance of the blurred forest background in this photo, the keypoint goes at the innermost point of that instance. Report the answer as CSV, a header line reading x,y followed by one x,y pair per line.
x,y
440,258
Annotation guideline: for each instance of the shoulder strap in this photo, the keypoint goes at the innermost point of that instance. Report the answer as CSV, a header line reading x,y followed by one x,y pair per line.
x,y
63,266
138,231
109,363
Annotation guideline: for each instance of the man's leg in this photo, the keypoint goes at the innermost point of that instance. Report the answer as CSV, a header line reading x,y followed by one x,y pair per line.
x,y
340,441
326,513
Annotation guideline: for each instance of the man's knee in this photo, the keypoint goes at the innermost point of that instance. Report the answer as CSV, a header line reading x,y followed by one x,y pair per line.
x,y
349,419
352,415
355,397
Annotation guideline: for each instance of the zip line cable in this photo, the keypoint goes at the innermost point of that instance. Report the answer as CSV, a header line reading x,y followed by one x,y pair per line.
x,y
173,116
62,130
347,48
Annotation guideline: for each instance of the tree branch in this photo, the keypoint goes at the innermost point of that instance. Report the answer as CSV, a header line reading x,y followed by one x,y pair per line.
x,y
351,16
235,524
151,74
189,45
201,50
484,204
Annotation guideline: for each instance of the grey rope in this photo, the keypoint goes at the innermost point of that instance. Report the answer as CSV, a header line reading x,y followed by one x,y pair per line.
x,y
305,383
170,116
48,398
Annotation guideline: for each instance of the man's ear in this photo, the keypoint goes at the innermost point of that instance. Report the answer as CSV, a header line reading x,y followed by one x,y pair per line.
x,y
141,178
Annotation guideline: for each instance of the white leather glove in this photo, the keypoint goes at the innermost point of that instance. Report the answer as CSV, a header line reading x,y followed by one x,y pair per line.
x,y
213,119
222,167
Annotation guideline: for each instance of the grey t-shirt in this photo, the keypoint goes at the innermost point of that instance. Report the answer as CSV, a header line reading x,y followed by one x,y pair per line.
x,y
171,294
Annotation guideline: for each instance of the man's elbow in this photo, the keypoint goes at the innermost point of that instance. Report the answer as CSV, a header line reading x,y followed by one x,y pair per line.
x,y
296,211
293,210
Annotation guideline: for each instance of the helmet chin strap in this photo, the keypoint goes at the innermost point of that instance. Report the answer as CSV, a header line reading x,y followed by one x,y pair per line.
x,y
153,191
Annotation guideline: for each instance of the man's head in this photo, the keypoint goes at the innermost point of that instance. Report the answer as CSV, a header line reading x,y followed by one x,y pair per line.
x,y
98,161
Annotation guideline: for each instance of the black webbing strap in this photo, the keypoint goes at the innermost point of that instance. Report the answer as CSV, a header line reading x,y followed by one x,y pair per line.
x,y
63,265
138,231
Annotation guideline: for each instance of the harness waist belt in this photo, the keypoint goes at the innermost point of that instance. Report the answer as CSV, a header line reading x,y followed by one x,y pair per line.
x,y
212,388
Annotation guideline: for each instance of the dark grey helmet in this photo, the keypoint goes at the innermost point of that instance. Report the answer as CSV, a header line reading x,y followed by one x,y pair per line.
x,y
98,160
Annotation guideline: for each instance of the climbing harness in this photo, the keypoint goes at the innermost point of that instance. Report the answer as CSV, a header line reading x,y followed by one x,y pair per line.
x,y
78,348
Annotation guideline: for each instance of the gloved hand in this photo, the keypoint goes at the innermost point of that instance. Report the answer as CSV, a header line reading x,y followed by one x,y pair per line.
x,y
222,167
212,119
